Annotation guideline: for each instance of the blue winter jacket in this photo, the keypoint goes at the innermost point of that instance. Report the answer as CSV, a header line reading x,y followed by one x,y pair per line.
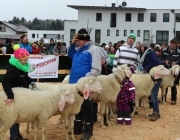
x,y
151,60
27,47
86,61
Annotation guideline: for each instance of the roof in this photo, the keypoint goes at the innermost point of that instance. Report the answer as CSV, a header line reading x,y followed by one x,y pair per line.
x,y
10,36
16,27
77,7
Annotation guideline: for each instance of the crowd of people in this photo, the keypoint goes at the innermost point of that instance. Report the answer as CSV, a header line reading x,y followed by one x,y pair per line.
x,y
39,47
89,59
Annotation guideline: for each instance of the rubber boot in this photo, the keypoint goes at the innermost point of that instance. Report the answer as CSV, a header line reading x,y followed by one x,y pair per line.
x,y
128,121
120,120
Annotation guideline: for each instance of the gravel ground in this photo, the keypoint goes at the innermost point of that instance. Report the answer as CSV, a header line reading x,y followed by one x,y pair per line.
x,y
166,128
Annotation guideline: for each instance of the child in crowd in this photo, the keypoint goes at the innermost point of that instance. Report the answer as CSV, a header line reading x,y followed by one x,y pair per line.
x,y
16,76
126,95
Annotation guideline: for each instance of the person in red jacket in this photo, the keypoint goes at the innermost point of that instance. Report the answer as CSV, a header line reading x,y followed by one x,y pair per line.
x,y
35,48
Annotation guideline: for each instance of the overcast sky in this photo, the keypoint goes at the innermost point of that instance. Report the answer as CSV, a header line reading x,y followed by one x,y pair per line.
x,y
57,9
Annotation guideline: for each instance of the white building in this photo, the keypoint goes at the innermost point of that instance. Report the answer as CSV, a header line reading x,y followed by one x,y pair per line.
x,y
112,24
36,35
11,31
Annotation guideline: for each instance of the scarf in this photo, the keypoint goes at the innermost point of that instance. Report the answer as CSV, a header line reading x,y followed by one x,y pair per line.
x,y
13,61
141,61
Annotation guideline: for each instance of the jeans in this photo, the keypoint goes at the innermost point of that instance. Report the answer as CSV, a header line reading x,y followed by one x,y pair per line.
x,y
154,94
14,131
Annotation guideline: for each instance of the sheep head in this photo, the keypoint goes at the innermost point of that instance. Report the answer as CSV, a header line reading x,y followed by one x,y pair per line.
x,y
67,97
124,71
175,70
88,86
159,71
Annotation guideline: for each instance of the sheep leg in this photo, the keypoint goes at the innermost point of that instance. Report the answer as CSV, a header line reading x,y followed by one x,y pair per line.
x,y
136,105
72,118
102,112
145,104
35,127
163,93
43,131
107,114
66,127
27,128
111,110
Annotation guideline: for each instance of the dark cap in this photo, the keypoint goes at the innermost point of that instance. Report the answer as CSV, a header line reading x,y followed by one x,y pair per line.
x,y
83,35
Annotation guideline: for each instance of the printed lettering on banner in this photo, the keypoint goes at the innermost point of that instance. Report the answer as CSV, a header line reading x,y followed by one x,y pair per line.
x,y
43,66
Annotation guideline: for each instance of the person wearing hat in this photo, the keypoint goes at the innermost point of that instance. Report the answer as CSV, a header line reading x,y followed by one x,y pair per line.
x,y
41,42
25,44
171,56
16,76
59,49
149,60
86,61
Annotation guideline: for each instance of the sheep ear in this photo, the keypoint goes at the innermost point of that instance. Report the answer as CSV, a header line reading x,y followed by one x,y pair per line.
x,y
128,73
86,91
61,103
157,75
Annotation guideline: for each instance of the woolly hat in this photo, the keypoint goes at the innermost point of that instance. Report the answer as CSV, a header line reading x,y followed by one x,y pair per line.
x,y
20,53
146,44
83,35
107,46
133,36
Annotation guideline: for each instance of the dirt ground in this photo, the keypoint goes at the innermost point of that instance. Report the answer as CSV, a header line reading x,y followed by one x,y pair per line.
x,y
166,128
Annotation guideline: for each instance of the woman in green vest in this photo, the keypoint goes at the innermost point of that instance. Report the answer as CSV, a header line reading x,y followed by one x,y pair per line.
x,y
111,54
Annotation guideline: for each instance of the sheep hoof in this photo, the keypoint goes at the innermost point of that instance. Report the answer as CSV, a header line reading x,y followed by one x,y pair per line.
x,y
109,124
103,126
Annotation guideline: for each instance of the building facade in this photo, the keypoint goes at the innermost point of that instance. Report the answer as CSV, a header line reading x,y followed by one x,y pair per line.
x,y
112,24
36,35
11,31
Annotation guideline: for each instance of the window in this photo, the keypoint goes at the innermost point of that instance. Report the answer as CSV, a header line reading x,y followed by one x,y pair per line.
x,y
72,33
44,35
59,36
132,31
113,20
162,37
108,32
125,32
128,16
117,32
146,35
49,36
1,28
138,33
97,36
98,16
37,35
165,17
33,35
153,17
177,17
140,17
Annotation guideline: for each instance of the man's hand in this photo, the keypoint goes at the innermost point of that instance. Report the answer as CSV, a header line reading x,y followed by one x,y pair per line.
x,y
167,62
8,102
74,40
103,61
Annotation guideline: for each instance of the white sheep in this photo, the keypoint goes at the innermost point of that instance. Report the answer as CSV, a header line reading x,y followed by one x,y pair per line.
x,y
31,105
66,80
84,85
111,87
168,81
144,84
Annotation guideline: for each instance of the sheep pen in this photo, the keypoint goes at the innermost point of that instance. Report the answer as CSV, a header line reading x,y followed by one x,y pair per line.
x,y
141,128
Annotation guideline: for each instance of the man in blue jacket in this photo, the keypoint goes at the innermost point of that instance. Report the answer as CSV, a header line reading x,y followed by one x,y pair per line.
x,y
25,44
86,61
